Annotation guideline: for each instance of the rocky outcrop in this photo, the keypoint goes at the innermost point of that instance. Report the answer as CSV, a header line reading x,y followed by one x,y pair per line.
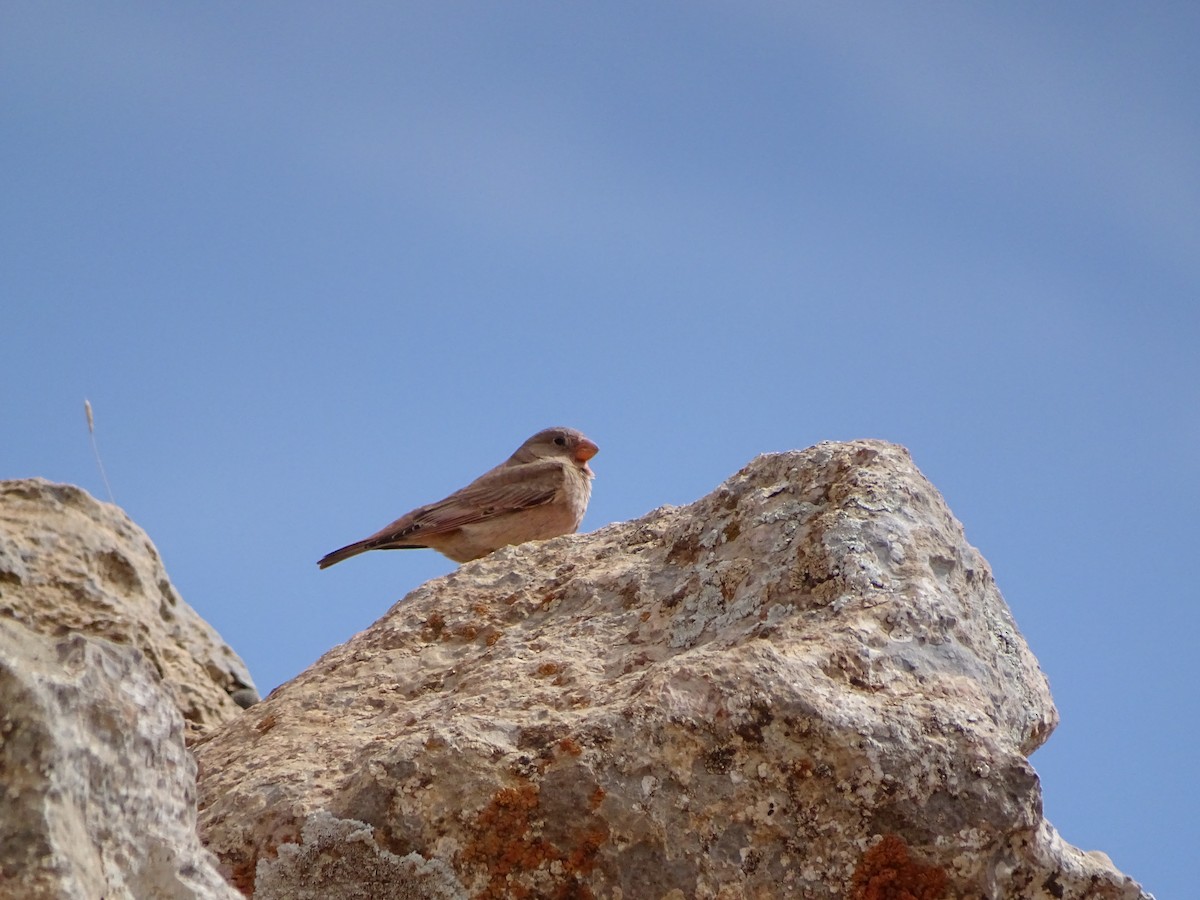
x,y
97,789
103,671
70,564
804,685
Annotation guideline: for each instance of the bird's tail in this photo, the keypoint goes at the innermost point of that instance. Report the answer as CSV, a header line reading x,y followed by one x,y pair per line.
x,y
371,543
344,553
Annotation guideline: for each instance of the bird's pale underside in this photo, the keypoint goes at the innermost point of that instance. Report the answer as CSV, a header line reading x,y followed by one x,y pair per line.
x,y
539,492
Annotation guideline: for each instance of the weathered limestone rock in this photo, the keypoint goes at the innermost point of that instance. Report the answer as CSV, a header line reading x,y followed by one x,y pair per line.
x,y
70,564
805,684
102,667
339,858
97,789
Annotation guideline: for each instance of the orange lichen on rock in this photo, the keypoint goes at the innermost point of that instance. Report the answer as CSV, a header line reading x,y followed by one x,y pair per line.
x,y
887,872
504,842
570,745
435,622
508,845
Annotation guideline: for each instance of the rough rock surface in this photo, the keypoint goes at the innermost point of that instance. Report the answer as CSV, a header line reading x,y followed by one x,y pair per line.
x,y
70,564
97,789
339,858
806,684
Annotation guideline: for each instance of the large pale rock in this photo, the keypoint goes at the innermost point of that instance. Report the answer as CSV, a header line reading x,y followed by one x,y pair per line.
x,y
804,685
103,670
97,789
70,564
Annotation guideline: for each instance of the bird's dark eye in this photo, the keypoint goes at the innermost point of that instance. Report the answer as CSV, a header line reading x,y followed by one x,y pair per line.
x,y
561,441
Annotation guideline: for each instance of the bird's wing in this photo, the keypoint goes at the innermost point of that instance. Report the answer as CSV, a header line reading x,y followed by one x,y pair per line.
x,y
503,490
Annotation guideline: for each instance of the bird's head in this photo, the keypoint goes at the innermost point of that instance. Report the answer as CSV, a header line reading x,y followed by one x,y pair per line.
x,y
557,443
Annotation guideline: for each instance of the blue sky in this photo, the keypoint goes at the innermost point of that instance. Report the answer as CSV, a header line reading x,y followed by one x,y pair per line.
x,y
315,266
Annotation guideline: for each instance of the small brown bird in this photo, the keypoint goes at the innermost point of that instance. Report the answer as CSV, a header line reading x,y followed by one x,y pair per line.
x,y
539,492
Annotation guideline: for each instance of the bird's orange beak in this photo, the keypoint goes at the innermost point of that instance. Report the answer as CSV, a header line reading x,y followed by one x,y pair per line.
x,y
585,451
